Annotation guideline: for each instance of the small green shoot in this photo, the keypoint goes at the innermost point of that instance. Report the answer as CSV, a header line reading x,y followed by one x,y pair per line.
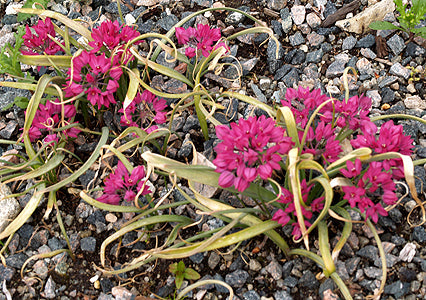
x,y
408,19
9,55
181,272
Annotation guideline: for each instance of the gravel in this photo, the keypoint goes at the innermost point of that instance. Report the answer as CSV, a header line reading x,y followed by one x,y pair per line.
x,y
309,55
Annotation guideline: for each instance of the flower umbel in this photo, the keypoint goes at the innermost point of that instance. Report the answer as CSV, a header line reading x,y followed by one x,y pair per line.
x,y
250,149
121,184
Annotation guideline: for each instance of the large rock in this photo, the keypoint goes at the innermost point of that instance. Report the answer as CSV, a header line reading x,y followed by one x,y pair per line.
x,y
359,23
9,207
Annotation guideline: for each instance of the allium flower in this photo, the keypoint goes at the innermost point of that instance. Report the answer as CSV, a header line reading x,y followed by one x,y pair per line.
x,y
251,148
114,37
201,39
144,109
96,76
48,117
41,41
374,212
122,185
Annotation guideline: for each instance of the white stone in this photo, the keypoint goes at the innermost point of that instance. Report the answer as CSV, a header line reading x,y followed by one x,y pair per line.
x,y
359,23
298,14
9,207
408,252
130,20
147,2
10,9
415,102
204,189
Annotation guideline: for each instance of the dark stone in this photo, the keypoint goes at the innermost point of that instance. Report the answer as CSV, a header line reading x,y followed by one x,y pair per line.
x,y
330,8
419,234
308,280
237,278
396,215
414,50
94,14
138,12
328,284
251,295
290,281
274,61
326,47
291,78
88,244
370,252
296,39
87,177
178,123
9,19
207,286
168,22
197,258
145,27
25,233
287,267
407,275
190,22
328,31
165,291
237,264
6,273
299,57
398,108
276,26
397,289
387,95
106,285
314,56
366,42
16,260
191,123
281,72
282,295
398,240
55,244
220,288
112,8
230,113
129,238
420,173
261,38
75,15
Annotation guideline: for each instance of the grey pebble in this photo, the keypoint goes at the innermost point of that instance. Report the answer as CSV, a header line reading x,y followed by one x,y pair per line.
x,y
88,244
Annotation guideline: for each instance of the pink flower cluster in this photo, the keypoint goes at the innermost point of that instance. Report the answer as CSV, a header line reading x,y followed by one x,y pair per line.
x,y
371,183
120,184
145,108
114,37
95,75
250,149
43,41
287,215
48,117
199,39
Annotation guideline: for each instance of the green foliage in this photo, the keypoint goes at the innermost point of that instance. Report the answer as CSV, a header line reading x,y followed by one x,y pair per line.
x,y
408,19
29,4
181,272
9,55
21,102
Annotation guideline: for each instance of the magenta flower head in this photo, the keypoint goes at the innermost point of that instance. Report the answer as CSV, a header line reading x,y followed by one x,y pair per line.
x,y
95,75
250,149
112,35
48,117
145,109
121,184
199,40
42,42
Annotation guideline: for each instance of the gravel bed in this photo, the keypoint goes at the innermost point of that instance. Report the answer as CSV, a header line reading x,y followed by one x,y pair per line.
x,y
309,55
